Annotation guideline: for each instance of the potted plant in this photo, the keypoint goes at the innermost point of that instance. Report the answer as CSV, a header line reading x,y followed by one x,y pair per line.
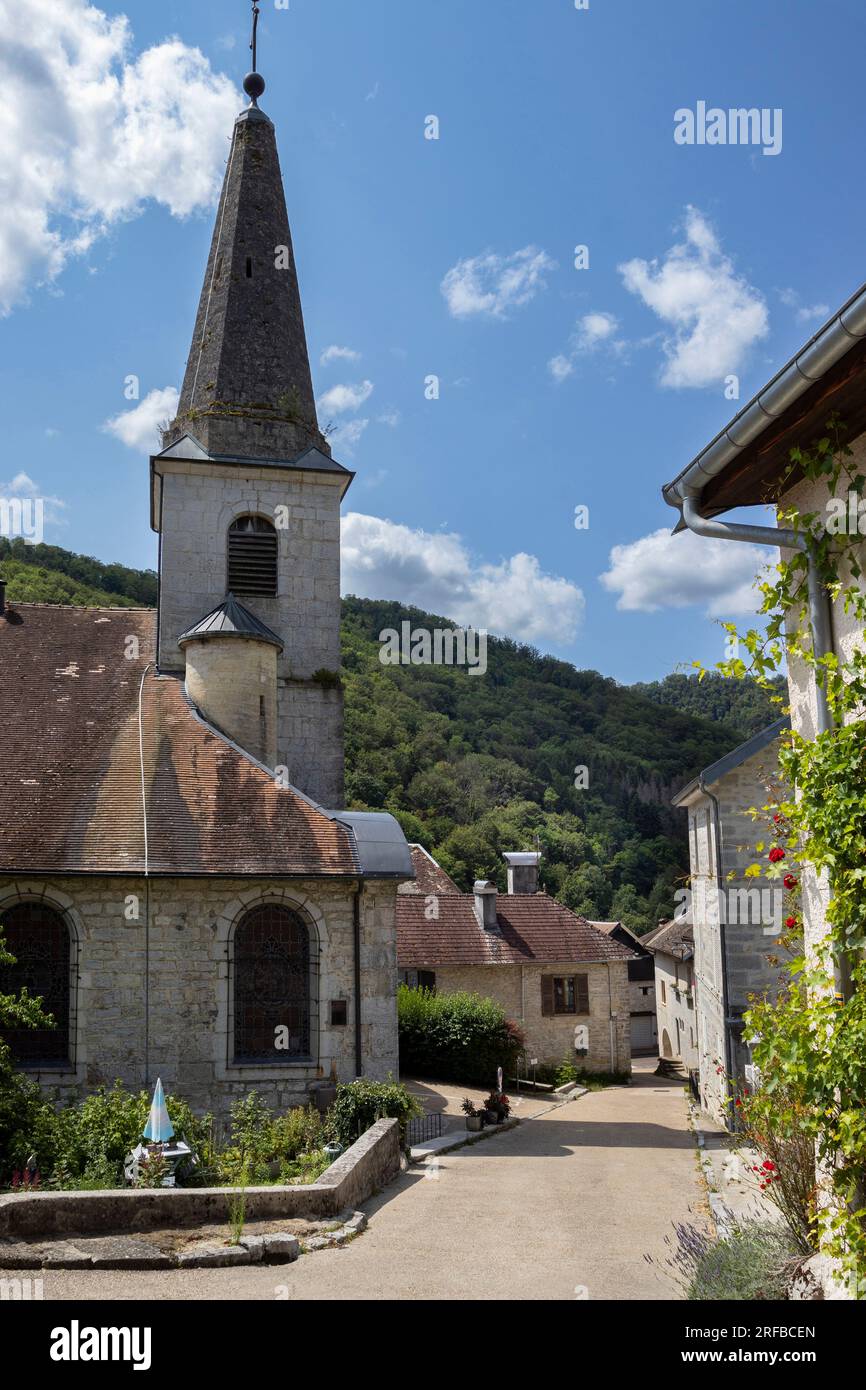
x,y
474,1119
499,1106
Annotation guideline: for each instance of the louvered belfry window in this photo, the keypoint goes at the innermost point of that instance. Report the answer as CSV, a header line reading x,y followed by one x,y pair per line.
x,y
252,556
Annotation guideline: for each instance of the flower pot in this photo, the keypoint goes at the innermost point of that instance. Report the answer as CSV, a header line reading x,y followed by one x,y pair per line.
x,y
473,1123
491,1117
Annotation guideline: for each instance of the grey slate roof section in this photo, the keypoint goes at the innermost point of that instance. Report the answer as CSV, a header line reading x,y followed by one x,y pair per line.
x,y
380,845
247,388
756,744
230,619
671,939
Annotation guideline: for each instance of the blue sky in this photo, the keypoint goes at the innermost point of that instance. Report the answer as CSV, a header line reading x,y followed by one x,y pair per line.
x,y
454,258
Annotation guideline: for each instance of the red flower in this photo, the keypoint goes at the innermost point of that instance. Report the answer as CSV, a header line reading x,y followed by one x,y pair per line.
x,y
790,921
776,854
789,881
738,1102
770,1167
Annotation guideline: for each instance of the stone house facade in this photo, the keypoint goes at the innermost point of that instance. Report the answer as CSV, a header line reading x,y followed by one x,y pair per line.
x,y
735,920
641,988
564,982
175,879
673,950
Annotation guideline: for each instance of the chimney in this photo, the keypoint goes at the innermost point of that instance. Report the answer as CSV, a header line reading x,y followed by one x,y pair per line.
x,y
2,597
522,872
485,904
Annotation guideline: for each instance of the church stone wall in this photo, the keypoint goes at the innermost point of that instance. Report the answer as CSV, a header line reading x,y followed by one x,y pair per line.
x,y
199,504
191,925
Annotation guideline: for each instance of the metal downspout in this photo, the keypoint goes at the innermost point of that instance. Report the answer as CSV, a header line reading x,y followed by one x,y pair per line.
x,y
819,604
723,947
820,622
356,934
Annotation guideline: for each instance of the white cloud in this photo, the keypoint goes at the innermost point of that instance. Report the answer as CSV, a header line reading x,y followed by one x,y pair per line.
x,y
391,418
382,559
492,285
713,314
594,331
805,313
25,487
139,428
346,437
560,367
89,132
339,354
341,399
665,571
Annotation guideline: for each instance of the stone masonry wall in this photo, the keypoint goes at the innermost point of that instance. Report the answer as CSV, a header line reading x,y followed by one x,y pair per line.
x,y
518,989
199,504
192,922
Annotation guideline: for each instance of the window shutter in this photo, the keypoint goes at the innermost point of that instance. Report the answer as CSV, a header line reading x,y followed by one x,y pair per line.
x,y
252,567
581,993
547,1002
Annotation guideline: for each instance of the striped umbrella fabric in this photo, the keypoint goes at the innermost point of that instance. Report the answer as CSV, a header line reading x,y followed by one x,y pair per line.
x,y
159,1128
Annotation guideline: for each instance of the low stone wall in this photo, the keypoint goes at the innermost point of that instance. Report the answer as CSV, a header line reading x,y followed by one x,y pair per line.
x,y
368,1165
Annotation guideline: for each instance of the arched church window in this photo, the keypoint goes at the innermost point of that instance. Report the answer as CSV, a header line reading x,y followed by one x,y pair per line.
x,y
40,941
252,556
272,975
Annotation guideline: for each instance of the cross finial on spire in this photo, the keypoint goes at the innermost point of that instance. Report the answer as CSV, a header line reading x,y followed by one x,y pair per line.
x,y
254,83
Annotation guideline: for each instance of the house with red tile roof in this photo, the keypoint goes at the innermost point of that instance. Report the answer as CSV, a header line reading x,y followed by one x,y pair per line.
x,y
175,881
561,979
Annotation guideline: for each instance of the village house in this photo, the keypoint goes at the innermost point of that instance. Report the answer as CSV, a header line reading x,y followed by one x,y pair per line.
x,y
735,922
673,948
562,980
641,987
748,464
177,880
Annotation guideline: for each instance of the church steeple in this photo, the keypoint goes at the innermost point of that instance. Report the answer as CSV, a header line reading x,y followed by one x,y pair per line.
x,y
247,391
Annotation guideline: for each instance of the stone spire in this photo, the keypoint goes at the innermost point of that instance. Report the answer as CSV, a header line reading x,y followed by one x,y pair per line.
x,y
247,391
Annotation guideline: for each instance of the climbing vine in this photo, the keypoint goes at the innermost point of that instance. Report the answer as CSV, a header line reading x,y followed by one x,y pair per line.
x,y
810,1043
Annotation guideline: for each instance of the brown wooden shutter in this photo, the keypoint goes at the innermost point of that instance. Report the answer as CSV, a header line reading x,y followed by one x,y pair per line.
x,y
547,999
581,994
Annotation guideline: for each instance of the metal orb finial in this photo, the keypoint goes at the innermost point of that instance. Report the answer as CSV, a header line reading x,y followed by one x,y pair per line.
x,y
254,85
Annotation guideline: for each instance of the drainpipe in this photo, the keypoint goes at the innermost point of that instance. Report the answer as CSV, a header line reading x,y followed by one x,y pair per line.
x,y
356,936
613,1066
723,947
820,621
819,604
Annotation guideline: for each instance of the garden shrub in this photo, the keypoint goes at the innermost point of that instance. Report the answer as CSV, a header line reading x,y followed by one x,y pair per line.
x,y
755,1261
271,1147
362,1103
455,1037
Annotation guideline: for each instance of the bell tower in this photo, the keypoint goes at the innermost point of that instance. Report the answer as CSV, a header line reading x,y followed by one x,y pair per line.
x,y
245,495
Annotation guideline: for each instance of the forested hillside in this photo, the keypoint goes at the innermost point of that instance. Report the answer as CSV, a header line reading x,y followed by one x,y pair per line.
x,y
474,765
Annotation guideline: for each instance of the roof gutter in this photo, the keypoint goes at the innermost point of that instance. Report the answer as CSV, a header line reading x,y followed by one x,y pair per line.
x,y
823,350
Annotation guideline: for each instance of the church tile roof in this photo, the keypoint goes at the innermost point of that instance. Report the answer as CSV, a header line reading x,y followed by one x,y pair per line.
x,y
70,773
